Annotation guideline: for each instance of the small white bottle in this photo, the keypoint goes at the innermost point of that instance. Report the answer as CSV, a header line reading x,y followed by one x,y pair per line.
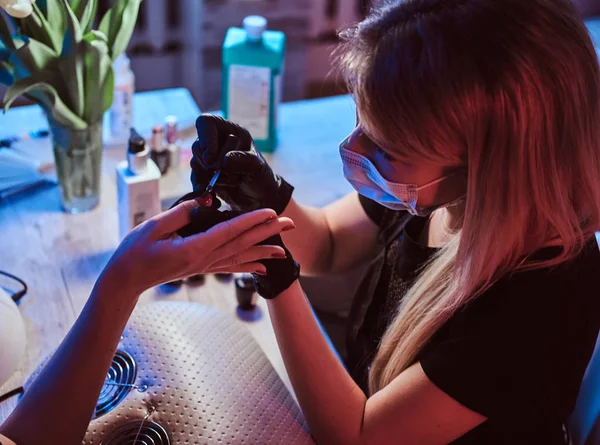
x,y
121,111
137,186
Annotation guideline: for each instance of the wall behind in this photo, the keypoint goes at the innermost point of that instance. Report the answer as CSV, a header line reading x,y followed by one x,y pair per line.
x,y
178,43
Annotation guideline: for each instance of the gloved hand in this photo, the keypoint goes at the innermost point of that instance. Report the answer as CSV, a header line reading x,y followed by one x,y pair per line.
x,y
246,182
281,273
205,217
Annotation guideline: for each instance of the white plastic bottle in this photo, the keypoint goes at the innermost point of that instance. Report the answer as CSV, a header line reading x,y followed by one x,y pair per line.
x,y
121,112
138,178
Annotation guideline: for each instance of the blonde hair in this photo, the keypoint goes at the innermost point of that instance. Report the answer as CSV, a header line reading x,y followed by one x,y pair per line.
x,y
508,89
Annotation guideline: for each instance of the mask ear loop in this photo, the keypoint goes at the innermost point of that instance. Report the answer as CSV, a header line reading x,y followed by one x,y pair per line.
x,y
435,181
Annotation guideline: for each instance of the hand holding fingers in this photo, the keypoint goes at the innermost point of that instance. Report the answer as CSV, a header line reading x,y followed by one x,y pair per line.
x,y
250,256
255,268
166,223
237,240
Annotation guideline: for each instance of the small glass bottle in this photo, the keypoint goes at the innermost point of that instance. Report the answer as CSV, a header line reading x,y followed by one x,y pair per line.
x,y
245,292
159,152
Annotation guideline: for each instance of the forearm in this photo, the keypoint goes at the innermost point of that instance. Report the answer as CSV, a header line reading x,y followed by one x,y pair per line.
x,y
330,400
311,241
59,405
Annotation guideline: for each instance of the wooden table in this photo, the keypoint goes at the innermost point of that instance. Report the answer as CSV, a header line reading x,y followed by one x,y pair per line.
x,y
60,256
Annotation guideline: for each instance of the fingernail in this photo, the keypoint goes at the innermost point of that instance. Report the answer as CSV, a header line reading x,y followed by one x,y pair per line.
x,y
272,218
279,255
286,228
204,200
260,272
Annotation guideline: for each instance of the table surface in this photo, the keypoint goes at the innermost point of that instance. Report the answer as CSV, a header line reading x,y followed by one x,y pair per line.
x,y
60,256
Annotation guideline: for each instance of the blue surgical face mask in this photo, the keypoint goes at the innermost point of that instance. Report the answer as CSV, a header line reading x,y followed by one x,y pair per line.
x,y
366,180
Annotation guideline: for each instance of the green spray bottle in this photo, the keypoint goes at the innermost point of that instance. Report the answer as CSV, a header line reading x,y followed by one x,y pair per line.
x,y
253,61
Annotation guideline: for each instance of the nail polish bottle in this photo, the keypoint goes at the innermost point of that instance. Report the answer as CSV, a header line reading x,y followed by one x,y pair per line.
x,y
245,292
159,152
172,145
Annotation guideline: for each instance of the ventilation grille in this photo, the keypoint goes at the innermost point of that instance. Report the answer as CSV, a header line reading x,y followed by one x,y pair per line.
x,y
120,379
150,433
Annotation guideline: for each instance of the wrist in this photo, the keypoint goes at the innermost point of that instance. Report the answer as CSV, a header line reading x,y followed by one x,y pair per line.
x,y
283,197
114,286
281,273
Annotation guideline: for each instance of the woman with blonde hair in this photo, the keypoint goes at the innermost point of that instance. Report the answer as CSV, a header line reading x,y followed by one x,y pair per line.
x,y
476,163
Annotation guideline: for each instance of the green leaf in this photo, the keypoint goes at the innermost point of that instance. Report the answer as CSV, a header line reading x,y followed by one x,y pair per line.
x,y
99,80
35,56
57,18
118,24
50,101
105,23
73,30
85,10
20,68
75,4
95,35
37,26
6,74
71,63
125,32
5,35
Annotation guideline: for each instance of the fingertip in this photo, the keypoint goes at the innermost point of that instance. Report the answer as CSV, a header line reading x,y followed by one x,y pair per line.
x,y
266,214
190,205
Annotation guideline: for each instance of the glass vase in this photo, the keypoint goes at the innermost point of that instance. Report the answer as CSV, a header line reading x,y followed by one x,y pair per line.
x,y
78,157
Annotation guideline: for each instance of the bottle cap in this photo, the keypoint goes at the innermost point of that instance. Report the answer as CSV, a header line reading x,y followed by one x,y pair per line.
x,y
137,144
137,153
255,25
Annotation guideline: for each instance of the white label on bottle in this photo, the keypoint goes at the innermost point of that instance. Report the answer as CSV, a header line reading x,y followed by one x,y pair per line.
x,y
249,98
121,113
278,86
277,101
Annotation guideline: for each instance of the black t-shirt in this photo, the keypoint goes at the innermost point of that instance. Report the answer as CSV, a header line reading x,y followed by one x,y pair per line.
x,y
517,354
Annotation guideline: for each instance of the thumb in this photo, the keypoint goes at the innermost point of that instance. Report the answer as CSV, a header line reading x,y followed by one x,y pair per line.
x,y
166,223
242,162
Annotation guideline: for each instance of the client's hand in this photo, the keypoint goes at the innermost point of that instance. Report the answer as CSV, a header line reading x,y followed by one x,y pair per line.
x,y
154,253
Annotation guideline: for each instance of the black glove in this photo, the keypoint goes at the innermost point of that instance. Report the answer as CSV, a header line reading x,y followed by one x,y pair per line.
x,y
246,182
281,273
203,217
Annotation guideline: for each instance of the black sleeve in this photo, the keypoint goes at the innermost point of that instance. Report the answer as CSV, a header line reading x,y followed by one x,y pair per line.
x,y
520,350
373,209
